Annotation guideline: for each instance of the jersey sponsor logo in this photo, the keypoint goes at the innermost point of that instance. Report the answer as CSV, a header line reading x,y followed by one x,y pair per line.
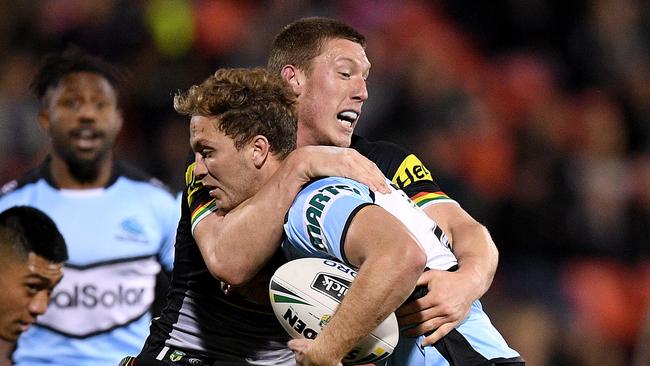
x,y
316,205
192,184
95,299
332,286
410,171
90,296
189,174
299,325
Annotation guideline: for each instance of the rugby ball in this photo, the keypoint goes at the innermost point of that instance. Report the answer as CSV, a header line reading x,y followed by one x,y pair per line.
x,y
305,294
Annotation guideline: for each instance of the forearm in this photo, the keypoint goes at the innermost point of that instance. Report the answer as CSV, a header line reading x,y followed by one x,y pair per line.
x,y
380,287
477,257
390,262
472,245
238,244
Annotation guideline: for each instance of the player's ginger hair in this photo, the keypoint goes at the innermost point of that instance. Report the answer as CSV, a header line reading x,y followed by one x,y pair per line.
x,y
248,102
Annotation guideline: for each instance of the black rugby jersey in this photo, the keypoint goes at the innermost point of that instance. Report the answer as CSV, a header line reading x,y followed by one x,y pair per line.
x,y
199,319
403,168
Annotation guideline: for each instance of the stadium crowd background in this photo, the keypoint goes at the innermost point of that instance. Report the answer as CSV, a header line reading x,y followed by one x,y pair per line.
x,y
534,115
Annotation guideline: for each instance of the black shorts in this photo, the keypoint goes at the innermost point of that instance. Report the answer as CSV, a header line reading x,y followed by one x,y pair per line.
x,y
160,355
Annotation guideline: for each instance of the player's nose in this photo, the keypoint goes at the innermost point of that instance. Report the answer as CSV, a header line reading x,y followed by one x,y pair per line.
x,y
38,304
200,170
360,90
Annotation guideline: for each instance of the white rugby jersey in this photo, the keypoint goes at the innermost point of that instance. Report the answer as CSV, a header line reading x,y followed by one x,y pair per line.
x,y
118,237
321,214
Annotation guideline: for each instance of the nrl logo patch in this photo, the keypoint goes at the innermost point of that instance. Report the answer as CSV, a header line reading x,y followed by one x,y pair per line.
x,y
324,320
177,356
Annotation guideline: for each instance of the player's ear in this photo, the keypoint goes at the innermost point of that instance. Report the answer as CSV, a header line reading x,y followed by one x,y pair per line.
x,y
261,148
294,76
120,120
44,120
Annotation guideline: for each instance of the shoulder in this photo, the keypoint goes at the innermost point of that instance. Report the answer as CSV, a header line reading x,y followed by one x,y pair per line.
x,y
136,175
18,184
320,196
151,194
334,186
397,163
378,148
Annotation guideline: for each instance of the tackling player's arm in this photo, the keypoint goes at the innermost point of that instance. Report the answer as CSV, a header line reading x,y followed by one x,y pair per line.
x,y
450,293
235,245
390,261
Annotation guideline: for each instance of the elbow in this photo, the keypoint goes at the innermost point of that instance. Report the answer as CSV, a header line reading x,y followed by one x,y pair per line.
x,y
413,260
419,259
493,251
230,274
240,277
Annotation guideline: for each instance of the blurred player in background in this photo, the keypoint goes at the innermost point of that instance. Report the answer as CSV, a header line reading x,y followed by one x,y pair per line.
x,y
32,252
117,222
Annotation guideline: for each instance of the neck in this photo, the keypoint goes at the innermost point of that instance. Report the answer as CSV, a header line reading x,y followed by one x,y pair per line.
x,y
63,177
6,349
304,138
270,166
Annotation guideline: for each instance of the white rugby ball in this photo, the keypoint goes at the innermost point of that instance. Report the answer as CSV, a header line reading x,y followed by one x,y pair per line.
x,y
306,292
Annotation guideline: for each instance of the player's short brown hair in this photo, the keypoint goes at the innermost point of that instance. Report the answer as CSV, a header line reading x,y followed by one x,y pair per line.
x,y
301,41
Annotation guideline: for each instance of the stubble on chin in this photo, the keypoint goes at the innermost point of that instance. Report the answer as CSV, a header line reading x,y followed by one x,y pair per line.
x,y
84,171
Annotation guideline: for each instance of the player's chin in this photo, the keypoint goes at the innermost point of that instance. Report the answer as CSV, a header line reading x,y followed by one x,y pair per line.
x,y
343,140
224,204
10,335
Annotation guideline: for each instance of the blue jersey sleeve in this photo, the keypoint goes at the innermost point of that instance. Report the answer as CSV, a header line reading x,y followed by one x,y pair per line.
x,y
320,215
170,212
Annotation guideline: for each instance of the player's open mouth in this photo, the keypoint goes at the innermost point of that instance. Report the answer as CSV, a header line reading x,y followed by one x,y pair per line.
x,y
24,325
213,191
86,138
347,118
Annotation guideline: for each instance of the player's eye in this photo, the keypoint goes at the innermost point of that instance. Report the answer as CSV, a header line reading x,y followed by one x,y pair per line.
x,y
69,103
33,288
